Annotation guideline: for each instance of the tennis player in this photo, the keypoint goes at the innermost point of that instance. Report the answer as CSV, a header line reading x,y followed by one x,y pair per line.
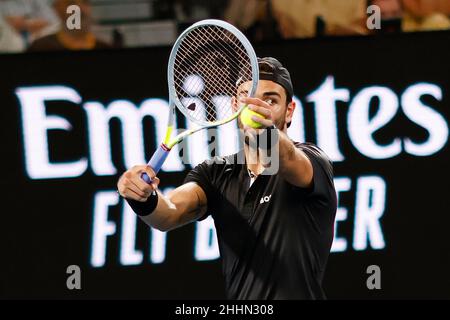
x,y
274,231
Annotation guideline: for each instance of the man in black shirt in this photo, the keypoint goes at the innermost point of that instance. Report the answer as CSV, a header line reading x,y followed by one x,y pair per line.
x,y
274,230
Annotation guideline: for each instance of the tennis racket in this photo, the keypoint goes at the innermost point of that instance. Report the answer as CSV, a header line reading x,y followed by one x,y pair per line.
x,y
207,63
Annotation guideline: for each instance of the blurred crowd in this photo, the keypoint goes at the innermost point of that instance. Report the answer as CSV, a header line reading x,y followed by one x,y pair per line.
x,y
39,25
311,18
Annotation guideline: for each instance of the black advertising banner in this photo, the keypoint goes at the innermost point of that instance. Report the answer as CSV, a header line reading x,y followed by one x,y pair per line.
x,y
72,122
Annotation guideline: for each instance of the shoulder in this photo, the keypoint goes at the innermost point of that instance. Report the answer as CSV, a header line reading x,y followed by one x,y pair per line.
x,y
216,170
222,160
315,154
220,164
210,174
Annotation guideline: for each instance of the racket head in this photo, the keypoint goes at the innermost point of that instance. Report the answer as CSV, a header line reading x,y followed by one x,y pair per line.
x,y
207,64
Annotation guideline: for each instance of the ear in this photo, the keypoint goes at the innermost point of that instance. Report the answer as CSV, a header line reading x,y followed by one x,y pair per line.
x,y
290,112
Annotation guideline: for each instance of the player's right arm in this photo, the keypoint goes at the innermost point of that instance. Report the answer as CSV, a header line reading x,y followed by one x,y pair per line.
x,y
182,205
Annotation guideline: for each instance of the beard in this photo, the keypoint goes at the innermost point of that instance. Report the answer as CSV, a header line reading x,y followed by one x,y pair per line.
x,y
262,138
280,124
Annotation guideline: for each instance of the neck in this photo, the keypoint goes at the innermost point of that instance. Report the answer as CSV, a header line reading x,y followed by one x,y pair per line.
x,y
253,160
256,159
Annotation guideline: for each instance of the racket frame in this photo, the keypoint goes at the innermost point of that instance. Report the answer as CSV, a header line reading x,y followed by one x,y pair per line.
x,y
163,150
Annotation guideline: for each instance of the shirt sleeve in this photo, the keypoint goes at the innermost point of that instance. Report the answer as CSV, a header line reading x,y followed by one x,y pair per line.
x,y
323,185
202,176
321,196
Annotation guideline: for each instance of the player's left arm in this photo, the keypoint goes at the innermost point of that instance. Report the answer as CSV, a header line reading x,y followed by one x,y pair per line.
x,y
294,166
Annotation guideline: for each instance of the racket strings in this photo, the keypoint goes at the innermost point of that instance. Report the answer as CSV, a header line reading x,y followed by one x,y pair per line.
x,y
219,47
209,61
240,50
215,62
242,68
211,64
243,55
199,86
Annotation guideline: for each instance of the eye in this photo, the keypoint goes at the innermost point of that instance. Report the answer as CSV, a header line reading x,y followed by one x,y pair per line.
x,y
270,101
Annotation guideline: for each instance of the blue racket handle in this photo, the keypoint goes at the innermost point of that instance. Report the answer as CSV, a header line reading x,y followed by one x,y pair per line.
x,y
156,161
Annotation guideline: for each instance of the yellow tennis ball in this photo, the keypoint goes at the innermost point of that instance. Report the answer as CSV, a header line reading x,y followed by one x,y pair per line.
x,y
246,118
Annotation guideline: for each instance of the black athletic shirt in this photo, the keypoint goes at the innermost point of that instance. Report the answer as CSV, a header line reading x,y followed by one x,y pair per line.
x,y
274,238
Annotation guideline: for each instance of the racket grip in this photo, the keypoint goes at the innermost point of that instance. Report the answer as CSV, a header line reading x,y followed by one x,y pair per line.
x,y
156,161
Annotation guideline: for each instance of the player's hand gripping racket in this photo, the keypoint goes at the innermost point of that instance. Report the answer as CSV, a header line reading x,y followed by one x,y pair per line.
x,y
208,62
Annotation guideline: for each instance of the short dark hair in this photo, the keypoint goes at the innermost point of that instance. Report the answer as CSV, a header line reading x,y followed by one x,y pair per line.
x,y
264,67
271,69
